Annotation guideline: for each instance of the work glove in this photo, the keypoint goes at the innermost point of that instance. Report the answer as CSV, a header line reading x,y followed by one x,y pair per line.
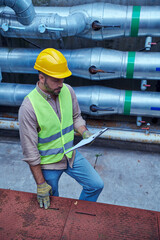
x,y
43,192
86,134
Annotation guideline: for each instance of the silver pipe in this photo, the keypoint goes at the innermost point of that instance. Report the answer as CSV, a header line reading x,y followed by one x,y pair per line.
x,y
110,64
120,135
24,10
96,21
129,136
44,26
125,102
94,100
11,125
12,94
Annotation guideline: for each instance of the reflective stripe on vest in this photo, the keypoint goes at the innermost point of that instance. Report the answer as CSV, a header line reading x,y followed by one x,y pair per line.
x,y
55,136
57,150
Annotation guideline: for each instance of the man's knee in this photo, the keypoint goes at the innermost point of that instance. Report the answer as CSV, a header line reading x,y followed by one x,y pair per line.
x,y
98,185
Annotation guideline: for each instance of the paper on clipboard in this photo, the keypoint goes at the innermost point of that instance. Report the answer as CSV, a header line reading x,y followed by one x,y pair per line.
x,y
87,141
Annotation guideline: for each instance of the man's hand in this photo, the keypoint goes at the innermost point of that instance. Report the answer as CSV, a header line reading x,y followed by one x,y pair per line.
x,y
43,192
86,134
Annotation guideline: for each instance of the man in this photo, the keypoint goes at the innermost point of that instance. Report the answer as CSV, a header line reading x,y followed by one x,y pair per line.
x,y
48,117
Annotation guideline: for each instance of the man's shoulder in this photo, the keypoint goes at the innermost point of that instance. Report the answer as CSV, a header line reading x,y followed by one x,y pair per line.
x,y
26,101
26,110
70,88
26,104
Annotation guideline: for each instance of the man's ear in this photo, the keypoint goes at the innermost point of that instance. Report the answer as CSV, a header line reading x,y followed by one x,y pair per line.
x,y
41,78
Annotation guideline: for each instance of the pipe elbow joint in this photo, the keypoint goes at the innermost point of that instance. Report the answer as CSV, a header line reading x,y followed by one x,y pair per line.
x,y
27,16
24,10
76,24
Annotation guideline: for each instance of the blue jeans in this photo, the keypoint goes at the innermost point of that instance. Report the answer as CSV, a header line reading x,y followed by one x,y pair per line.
x,y
83,173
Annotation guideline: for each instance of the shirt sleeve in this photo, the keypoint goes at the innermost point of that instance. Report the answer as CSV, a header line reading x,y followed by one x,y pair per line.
x,y
77,117
28,128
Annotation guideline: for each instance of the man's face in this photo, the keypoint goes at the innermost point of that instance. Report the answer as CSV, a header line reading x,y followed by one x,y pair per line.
x,y
52,85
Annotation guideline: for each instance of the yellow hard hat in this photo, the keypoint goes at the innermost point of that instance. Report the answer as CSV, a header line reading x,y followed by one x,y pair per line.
x,y
52,62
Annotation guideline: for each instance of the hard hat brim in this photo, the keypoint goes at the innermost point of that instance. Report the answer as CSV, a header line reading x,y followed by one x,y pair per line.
x,y
62,75
54,74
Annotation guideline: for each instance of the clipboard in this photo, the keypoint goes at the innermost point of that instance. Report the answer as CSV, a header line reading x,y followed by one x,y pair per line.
x,y
84,142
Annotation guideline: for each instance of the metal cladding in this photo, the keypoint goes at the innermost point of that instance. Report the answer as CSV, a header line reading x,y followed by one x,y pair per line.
x,y
97,21
102,64
94,100
12,94
23,8
103,100
89,63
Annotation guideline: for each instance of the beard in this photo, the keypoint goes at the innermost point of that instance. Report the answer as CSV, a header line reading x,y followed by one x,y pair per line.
x,y
55,92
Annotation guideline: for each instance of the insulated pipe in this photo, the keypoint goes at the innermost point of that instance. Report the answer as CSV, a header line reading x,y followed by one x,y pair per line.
x,y
99,100
94,100
12,94
23,8
96,21
111,134
90,63
44,26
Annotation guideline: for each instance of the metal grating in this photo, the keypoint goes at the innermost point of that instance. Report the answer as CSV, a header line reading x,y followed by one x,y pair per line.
x,y
21,218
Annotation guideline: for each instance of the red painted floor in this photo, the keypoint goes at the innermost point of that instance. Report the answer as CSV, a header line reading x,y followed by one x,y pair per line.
x,y
70,219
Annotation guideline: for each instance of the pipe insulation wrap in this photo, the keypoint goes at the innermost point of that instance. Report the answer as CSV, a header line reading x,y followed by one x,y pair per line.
x,y
12,94
96,21
120,101
125,102
113,63
24,10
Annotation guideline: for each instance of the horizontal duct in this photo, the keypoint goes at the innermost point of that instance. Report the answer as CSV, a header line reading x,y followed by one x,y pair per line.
x,y
94,100
23,9
90,63
97,21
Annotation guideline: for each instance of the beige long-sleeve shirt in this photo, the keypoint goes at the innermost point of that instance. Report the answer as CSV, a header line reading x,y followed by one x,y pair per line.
x,y
29,128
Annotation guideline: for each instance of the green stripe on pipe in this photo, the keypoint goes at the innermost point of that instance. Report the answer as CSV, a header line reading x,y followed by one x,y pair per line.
x,y
127,102
135,21
130,64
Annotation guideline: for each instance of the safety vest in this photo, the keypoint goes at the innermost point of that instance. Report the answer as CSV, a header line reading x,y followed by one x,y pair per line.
x,y
55,136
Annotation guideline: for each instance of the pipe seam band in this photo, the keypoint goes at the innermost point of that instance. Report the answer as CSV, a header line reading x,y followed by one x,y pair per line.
x,y
127,102
130,65
135,21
